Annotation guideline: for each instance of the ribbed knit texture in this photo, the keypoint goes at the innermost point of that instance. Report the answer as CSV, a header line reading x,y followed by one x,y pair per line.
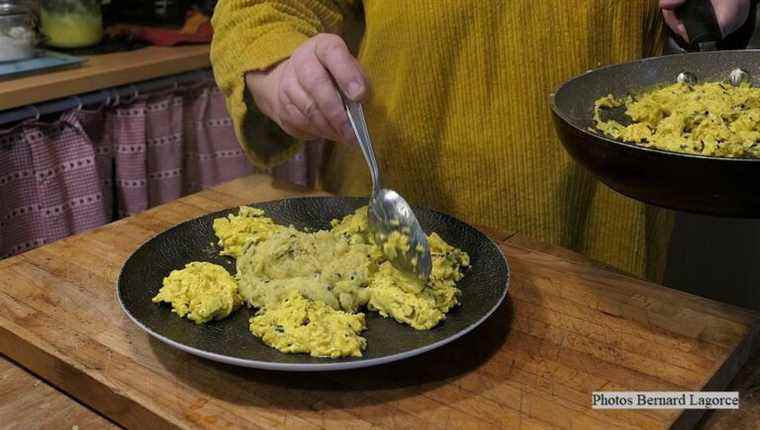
x,y
459,110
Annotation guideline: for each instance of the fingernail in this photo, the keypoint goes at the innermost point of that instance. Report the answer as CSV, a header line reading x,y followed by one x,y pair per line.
x,y
355,90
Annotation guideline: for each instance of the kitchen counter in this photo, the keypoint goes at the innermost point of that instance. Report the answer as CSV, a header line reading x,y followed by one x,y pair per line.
x,y
103,71
569,328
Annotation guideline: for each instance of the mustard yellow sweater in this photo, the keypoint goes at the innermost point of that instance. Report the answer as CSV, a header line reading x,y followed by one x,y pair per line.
x,y
459,108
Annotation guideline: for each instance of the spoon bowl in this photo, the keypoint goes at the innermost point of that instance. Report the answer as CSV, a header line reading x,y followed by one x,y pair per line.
x,y
387,213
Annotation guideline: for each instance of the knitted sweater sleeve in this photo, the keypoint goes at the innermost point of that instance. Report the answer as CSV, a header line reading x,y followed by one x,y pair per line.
x,y
253,35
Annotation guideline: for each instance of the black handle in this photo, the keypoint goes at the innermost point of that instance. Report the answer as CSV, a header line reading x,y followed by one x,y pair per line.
x,y
701,24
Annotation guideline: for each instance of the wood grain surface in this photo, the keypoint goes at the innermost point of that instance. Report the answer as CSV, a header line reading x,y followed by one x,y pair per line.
x,y
568,328
26,402
103,71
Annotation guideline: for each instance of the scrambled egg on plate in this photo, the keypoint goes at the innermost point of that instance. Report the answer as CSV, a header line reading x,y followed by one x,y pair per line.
x,y
309,288
201,292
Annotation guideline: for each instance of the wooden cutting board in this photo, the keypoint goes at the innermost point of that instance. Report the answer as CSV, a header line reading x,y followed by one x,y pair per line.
x,y
28,403
568,328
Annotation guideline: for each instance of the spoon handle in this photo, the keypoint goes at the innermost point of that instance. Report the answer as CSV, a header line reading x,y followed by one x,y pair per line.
x,y
356,117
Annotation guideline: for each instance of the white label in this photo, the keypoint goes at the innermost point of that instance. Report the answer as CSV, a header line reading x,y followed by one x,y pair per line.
x,y
665,400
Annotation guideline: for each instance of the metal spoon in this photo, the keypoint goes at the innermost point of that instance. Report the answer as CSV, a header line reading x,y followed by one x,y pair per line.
x,y
387,210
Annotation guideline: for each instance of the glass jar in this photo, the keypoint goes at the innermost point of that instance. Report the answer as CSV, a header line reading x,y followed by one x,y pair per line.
x,y
72,23
18,30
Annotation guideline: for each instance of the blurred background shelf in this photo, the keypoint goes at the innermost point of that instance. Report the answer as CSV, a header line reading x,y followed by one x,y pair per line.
x,y
103,71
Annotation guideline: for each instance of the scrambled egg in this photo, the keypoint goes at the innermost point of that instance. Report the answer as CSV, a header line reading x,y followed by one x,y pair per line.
x,y
200,291
407,300
714,119
249,226
308,288
296,324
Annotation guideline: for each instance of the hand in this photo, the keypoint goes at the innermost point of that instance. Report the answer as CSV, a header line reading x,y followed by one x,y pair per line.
x,y
731,15
300,95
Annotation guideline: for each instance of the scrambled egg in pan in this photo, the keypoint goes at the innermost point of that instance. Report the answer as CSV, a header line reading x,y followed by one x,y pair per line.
x,y
715,119
309,288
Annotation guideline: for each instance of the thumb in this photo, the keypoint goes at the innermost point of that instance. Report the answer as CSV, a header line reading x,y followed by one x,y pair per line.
x,y
334,55
675,23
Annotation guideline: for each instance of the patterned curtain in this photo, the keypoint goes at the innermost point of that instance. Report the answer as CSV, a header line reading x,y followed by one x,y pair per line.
x,y
52,184
305,166
170,144
89,167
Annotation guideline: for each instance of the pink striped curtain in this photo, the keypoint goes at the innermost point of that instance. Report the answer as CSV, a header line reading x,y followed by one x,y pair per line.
x,y
305,166
53,183
170,144
88,167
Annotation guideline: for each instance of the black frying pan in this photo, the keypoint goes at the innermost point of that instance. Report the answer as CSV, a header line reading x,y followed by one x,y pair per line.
x,y
728,187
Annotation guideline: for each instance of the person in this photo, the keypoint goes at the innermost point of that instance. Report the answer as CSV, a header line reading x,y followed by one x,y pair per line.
x,y
455,93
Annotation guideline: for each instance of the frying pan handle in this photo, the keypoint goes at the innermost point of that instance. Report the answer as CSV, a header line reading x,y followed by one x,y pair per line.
x,y
701,24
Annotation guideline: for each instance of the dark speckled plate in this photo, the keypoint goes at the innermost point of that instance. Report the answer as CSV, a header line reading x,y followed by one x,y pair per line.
x,y
484,287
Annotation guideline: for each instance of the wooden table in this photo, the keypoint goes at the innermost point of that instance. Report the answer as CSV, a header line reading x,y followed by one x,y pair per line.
x,y
103,71
568,328
27,402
